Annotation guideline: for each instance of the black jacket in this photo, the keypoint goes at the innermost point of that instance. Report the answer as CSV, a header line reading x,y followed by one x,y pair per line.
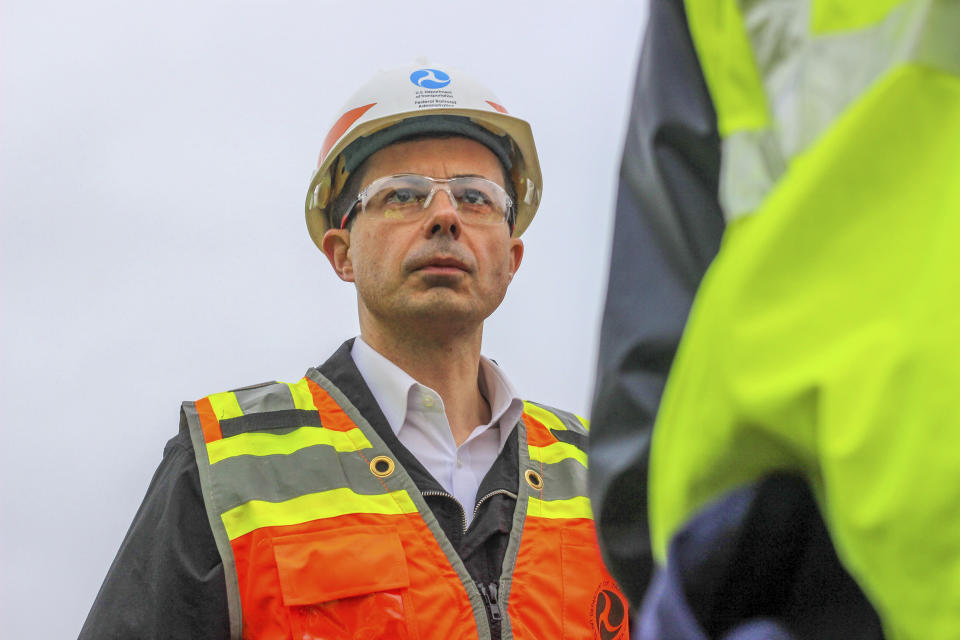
x,y
667,231
167,580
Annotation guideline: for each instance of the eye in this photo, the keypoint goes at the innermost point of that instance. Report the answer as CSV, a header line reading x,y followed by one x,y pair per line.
x,y
475,197
402,196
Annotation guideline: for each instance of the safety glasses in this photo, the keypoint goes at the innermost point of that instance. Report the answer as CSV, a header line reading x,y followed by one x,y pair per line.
x,y
406,196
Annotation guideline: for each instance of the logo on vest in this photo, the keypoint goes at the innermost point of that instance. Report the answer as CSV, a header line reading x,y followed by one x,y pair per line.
x,y
609,614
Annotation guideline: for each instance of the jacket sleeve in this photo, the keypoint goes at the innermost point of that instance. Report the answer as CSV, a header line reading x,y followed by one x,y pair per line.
x,y
666,232
756,563
167,579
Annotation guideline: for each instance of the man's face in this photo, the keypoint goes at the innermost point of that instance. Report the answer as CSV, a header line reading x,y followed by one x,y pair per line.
x,y
433,270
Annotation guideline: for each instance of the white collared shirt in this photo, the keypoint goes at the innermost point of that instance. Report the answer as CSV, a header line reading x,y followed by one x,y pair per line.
x,y
415,413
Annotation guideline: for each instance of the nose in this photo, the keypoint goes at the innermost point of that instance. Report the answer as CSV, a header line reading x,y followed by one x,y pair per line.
x,y
441,213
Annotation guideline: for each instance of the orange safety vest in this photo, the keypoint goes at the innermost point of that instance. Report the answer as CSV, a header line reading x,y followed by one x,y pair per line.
x,y
323,535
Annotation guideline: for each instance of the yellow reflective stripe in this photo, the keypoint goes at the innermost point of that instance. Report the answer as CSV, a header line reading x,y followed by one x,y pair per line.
x,y
578,507
256,514
584,422
302,398
268,444
225,405
543,416
553,453
729,69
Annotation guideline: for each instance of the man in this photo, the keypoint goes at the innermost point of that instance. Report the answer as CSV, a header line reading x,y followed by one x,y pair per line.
x,y
401,489
803,468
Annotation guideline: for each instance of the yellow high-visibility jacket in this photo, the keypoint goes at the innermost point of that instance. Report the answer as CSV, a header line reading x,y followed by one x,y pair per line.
x,y
825,336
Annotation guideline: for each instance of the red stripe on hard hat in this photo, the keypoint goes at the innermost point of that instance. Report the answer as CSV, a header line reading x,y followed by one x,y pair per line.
x,y
339,127
496,106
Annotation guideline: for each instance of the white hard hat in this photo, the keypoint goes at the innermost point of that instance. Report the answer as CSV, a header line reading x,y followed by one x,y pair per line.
x,y
411,101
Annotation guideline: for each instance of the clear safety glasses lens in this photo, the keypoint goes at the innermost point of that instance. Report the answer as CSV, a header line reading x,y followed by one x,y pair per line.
x,y
406,196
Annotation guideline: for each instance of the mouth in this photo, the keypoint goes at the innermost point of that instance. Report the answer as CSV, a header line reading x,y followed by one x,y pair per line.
x,y
442,265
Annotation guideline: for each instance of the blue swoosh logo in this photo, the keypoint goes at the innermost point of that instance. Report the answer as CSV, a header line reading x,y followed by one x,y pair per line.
x,y
430,78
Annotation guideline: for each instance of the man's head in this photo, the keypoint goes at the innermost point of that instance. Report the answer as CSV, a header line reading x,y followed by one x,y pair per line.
x,y
467,176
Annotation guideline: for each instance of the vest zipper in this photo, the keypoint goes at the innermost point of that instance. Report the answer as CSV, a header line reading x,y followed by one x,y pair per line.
x,y
463,514
476,508
496,492
488,592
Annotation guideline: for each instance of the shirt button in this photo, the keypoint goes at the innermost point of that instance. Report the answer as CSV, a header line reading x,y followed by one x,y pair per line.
x,y
459,462
428,401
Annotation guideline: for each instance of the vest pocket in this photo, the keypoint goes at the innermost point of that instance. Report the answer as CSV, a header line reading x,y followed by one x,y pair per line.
x,y
350,582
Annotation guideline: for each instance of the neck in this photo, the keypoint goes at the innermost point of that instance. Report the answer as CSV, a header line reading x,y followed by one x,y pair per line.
x,y
448,364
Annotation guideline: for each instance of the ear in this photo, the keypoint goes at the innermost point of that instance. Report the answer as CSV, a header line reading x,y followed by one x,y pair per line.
x,y
336,245
516,254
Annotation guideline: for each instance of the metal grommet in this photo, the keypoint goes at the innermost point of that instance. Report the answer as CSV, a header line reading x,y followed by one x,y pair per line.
x,y
533,479
382,466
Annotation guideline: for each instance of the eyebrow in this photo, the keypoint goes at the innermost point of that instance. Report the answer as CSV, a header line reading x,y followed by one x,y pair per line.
x,y
477,175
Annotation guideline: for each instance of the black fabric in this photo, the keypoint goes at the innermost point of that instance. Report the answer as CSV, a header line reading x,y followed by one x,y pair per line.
x,y
757,559
167,580
579,440
667,230
288,419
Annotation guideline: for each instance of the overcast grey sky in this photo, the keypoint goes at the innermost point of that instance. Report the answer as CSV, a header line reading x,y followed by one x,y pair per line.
x,y
154,159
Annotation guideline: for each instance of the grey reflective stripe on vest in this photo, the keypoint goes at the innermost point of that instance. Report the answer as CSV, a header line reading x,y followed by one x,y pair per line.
x,y
264,398
811,79
564,480
320,467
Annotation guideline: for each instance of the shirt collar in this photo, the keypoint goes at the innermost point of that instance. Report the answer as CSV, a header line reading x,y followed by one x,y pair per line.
x,y
505,405
391,385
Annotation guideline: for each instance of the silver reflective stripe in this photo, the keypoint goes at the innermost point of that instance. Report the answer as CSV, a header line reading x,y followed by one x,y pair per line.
x,y
563,480
811,79
277,478
264,398
189,415
400,480
750,163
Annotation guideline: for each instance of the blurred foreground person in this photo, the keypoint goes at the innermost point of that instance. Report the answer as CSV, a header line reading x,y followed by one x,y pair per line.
x,y
402,489
804,467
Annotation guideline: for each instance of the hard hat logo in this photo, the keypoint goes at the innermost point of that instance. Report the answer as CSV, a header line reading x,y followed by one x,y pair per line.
x,y
430,78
